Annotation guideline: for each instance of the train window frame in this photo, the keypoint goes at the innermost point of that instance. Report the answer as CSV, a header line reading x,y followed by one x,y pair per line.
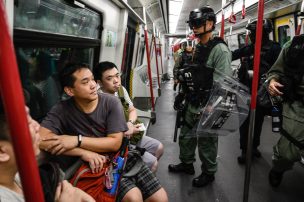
x,y
58,17
29,39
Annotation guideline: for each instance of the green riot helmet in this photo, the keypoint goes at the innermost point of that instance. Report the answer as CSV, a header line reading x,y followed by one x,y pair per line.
x,y
198,18
267,26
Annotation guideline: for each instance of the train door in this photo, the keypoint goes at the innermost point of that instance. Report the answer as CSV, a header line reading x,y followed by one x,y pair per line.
x,y
284,28
47,35
128,53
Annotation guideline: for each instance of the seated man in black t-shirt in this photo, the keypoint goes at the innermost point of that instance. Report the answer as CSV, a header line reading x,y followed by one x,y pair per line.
x,y
88,124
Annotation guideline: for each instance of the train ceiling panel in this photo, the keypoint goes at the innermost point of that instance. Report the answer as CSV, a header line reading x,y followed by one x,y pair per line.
x,y
157,10
188,6
272,9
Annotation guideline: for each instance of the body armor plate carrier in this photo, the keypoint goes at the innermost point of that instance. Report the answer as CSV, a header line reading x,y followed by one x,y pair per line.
x,y
197,77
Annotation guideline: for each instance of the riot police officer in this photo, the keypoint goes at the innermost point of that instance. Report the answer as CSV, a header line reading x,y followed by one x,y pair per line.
x,y
286,79
270,51
184,58
211,54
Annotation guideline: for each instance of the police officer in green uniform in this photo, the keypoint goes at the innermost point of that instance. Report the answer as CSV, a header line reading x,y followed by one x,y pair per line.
x,y
286,80
210,54
183,58
270,51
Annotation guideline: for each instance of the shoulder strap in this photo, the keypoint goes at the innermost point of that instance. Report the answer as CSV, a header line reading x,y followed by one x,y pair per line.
x,y
120,92
292,140
123,102
217,40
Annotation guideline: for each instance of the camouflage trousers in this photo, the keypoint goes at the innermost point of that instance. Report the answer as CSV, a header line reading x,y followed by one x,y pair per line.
x,y
207,146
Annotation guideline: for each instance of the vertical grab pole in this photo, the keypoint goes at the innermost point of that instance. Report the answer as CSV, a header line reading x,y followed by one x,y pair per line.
x,y
156,60
13,100
222,25
243,10
148,60
122,68
257,51
298,31
161,58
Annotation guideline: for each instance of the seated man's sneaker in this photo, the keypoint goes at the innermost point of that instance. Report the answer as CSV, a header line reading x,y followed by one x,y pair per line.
x,y
202,180
275,178
182,167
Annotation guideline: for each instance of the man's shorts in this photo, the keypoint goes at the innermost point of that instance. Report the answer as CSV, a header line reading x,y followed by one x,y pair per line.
x,y
144,180
151,145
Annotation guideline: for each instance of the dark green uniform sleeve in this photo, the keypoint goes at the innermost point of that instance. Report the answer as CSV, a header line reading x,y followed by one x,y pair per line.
x,y
277,69
177,66
220,59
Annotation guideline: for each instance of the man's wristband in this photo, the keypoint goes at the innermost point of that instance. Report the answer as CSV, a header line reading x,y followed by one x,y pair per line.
x,y
133,122
79,140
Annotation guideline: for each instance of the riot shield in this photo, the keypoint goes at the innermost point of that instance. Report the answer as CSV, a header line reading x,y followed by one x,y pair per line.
x,y
226,109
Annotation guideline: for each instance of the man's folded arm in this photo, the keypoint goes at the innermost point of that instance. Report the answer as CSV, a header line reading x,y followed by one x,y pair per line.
x,y
68,144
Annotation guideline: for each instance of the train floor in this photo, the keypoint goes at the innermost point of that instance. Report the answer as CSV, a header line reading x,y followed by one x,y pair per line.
x,y
229,179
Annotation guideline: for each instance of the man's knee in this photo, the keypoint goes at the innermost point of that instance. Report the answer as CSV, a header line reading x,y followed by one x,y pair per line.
x,y
154,167
133,195
159,196
159,152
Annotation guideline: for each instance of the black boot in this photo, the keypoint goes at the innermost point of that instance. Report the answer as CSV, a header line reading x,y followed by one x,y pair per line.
x,y
182,167
202,180
275,178
256,153
242,159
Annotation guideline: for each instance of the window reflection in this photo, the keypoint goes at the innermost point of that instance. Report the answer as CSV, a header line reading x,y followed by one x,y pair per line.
x,y
39,69
56,16
284,34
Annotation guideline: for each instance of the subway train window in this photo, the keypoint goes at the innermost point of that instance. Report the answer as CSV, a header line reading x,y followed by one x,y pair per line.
x,y
39,69
284,34
55,16
47,35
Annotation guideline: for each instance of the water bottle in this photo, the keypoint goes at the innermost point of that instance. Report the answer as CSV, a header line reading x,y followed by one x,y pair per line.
x,y
276,119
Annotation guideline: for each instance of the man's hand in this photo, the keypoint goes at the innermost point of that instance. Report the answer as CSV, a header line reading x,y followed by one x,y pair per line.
x,y
94,159
129,132
273,88
133,129
58,144
136,128
66,192
176,81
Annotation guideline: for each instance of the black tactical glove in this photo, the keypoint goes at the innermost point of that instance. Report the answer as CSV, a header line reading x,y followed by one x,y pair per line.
x,y
178,102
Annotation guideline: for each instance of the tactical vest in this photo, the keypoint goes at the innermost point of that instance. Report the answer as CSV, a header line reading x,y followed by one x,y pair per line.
x,y
198,78
267,59
294,68
186,58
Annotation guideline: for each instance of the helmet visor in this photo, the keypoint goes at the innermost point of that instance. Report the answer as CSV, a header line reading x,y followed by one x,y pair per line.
x,y
198,22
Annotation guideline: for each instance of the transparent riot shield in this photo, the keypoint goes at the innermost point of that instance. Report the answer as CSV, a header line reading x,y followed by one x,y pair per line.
x,y
226,109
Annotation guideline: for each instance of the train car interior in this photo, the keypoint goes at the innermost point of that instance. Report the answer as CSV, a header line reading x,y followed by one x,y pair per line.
x,y
145,39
